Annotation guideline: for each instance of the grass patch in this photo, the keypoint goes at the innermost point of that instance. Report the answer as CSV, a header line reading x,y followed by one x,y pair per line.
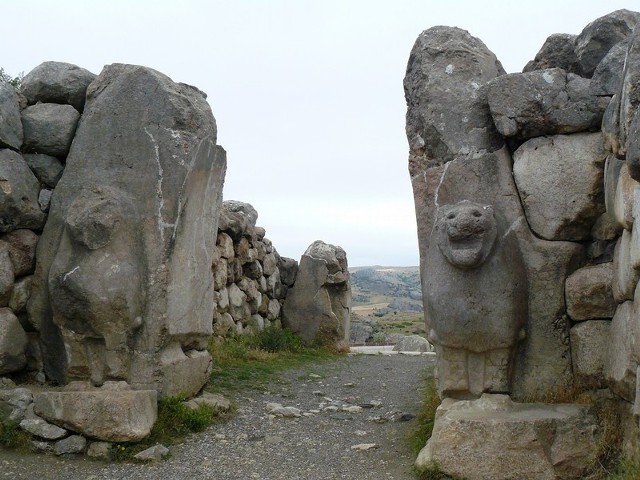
x,y
12,436
175,421
253,361
426,416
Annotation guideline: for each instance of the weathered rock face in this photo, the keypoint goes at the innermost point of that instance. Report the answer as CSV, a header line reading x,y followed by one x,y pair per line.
x,y
597,38
560,181
542,102
11,134
492,437
589,293
13,343
589,341
483,174
558,51
123,280
111,415
475,335
19,191
49,128
318,305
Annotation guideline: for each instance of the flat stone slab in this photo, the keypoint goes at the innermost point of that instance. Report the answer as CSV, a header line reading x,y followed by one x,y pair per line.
x,y
113,416
495,438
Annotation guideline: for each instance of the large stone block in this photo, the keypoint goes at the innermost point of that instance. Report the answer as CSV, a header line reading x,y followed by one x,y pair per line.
x,y
558,51
11,134
22,250
589,293
560,180
597,38
318,306
46,168
628,98
624,198
494,438
589,345
113,416
57,82
542,102
607,77
49,128
13,343
19,191
124,263
625,275
624,351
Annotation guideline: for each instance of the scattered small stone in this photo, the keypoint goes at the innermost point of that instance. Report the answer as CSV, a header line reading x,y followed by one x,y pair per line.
x,y
220,436
404,417
70,445
280,411
378,419
43,429
350,384
330,408
363,447
376,403
352,409
360,433
366,405
307,414
314,411
318,393
153,454
256,438
214,400
41,447
314,375
100,450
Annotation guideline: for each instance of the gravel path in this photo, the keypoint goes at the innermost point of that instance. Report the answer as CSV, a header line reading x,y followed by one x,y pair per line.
x,y
257,445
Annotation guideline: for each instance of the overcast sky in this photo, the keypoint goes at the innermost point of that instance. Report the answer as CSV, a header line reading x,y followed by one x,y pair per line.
x,y
307,94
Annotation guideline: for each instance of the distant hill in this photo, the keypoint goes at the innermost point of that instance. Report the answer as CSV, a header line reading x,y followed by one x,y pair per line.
x,y
399,287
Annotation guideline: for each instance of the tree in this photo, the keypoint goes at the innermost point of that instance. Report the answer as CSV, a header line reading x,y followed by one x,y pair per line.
x,y
15,82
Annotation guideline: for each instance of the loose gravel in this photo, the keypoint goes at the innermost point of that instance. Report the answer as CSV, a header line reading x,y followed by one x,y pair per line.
x,y
343,419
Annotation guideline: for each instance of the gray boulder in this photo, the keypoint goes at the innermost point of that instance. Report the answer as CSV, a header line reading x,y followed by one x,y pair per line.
x,y
589,348
70,445
608,75
42,429
13,343
21,246
19,191
288,270
412,343
10,124
444,84
57,82
622,361
318,305
49,128
558,51
7,276
46,168
145,192
628,99
152,454
597,38
237,219
542,102
560,180
14,403
110,415
589,293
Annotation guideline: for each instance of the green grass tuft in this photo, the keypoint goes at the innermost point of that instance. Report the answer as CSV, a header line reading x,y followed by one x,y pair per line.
x,y
12,436
426,416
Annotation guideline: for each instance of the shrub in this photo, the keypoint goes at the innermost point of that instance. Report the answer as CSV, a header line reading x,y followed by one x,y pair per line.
x,y
426,416
273,339
12,436
13,81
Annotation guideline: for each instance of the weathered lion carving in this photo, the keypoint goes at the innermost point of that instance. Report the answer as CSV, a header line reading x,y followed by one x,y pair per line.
x,y
476,294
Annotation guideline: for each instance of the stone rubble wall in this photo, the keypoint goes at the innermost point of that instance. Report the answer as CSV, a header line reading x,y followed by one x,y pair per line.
x,y
251,279
555,150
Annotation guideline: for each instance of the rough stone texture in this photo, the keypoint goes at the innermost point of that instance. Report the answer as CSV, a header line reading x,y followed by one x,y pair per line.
x,y
70,445
20,295
607,77
13,343
589,347
43,429
21,245
412,343
543,442
628,101
622,360
556,52
560,180
624,198
19,190
611,126
57,82
14,403
288,271
144,191
475,336
597,38
7,276
152,454
113,416
542,102
444,84
46,168
318,305
213,400
484,176
589,293
100,450
633,147
10,123
237,218
625,276
49,128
